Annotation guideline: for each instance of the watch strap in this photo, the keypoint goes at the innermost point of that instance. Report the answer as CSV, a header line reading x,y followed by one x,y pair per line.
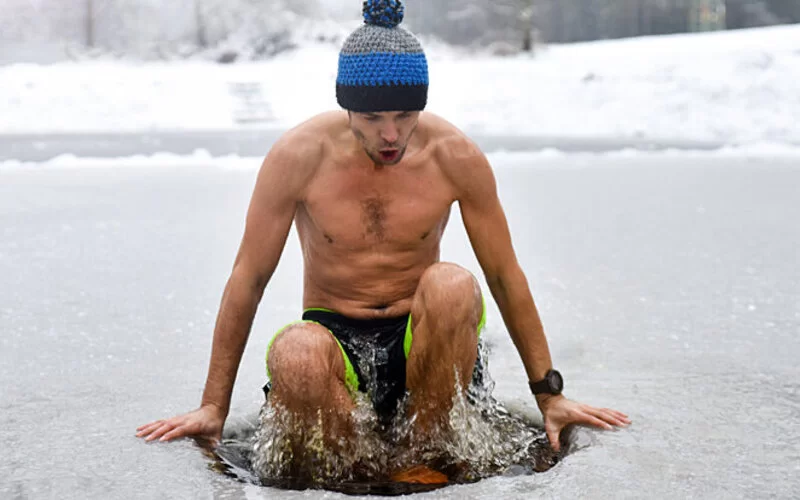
x,y
539,387
552,383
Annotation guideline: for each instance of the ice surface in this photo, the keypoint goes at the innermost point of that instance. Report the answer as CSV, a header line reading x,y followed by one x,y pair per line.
x,y
668,287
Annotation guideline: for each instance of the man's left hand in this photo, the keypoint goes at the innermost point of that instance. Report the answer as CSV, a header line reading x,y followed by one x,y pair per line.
x,y
559,412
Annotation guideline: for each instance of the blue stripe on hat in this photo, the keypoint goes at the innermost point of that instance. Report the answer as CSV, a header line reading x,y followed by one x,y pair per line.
x,y
383,68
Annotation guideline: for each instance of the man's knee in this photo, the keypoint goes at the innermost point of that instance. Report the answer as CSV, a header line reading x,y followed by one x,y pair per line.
x,y
446,315
304,354
451,289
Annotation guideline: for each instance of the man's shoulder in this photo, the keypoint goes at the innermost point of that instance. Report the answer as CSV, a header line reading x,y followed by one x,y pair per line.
x,y
455,153
459,157
450,144
306,143
296,156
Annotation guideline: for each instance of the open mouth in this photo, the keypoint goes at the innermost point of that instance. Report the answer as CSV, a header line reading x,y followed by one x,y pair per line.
x,y
389,155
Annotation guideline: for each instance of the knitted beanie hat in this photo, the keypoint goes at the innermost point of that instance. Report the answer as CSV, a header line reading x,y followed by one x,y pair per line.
x,y
382,66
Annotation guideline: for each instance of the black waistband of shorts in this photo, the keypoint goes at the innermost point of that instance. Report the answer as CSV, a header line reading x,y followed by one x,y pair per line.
x,y
324,316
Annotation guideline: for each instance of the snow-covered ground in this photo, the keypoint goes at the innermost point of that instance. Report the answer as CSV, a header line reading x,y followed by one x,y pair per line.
x,y
733,87
202,158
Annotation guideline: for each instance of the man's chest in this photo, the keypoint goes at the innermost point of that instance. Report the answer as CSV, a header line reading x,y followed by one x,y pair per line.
x,y
398,209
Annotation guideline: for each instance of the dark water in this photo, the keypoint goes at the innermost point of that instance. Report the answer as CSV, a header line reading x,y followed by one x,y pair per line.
x,y
668,285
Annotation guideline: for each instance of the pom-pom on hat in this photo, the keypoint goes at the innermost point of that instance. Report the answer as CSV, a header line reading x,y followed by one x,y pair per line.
x,y
382,66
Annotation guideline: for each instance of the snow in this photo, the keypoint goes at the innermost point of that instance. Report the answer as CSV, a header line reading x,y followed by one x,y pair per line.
x,y
200,158
735,87
502,159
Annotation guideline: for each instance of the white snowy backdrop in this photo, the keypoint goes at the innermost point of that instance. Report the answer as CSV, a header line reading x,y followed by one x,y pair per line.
x,y
44,30
145,70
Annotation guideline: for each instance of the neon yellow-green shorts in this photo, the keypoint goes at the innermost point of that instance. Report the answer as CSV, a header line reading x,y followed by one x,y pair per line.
x,y
374,352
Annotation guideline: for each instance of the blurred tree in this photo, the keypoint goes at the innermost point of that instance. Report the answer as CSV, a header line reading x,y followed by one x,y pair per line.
x,y
520,17
199,19
526,20
669,17
260,28
749,14
787,11
251,28
141,27
90,23
39,30
476,23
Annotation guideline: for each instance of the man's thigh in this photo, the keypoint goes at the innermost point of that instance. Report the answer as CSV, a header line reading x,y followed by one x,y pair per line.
x,y
295,337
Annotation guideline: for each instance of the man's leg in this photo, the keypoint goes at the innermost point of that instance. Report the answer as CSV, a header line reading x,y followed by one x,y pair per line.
x,y
307,373
446,311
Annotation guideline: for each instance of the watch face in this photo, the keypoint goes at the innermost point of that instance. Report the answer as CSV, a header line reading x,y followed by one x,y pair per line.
x,y
555,381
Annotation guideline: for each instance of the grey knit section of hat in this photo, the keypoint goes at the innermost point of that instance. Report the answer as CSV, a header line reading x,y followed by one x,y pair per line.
x,y
369,38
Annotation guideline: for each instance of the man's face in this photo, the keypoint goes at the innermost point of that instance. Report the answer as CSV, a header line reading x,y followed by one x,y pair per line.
x,y
384,135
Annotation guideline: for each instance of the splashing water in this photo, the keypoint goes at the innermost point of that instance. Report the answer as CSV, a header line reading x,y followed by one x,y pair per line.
x,y
482,439
288,452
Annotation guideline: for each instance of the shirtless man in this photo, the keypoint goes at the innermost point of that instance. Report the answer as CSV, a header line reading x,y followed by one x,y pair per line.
x,y
370,191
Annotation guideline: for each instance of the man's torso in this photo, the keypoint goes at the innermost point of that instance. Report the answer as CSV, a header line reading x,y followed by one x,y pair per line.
x,y
368,234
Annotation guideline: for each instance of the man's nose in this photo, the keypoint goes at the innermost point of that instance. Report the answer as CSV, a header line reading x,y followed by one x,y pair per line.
x,y
390,134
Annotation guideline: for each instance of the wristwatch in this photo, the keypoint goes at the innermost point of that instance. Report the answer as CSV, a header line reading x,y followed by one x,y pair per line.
x,y
552,383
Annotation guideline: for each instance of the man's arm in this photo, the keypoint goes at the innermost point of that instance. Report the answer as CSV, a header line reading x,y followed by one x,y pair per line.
x,y
487,228
489,235
279,187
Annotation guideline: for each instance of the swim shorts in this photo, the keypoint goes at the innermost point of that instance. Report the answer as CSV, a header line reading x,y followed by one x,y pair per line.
x,y
375,353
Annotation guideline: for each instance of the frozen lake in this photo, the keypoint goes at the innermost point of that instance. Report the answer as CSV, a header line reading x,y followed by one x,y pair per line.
x,y
669,288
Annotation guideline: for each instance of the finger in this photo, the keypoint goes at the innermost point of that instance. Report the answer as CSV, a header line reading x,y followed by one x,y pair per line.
x,y
148,431
178,432
620,415
589,419
215,440
149,436
617,414
151,424
145,429
622,420
552,436
607,416
165,428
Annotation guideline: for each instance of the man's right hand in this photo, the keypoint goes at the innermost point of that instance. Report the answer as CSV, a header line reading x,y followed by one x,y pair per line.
x,y
205,422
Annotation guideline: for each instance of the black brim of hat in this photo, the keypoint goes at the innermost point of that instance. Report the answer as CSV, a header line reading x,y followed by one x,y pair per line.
x,y
378,98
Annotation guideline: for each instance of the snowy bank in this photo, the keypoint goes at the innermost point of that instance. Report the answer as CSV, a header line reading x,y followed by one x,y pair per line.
x,y
733,87
202,158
